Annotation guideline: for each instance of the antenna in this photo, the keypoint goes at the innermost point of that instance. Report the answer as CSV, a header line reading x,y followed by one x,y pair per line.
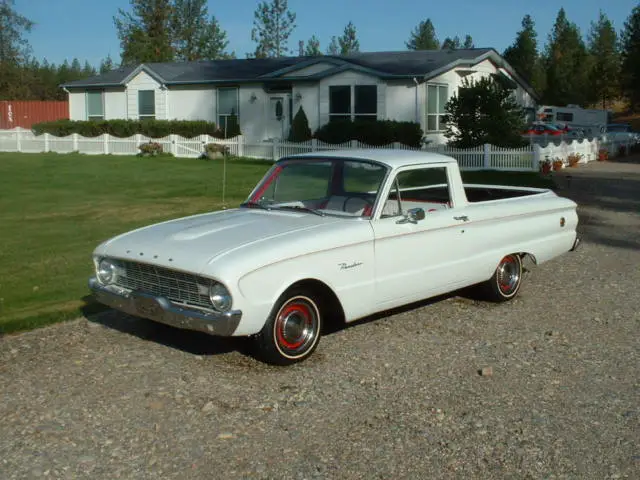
x,y
301,48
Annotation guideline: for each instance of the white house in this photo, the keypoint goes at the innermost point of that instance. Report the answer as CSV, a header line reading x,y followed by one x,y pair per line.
x,y
266,93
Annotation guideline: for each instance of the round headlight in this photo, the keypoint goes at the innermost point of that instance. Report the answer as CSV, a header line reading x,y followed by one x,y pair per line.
x,y
220,297
106,271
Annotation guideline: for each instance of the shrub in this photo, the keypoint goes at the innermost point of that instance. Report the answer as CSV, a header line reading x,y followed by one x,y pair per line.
x,y
374,133
150,148
214,150
126,128
558,165
300,131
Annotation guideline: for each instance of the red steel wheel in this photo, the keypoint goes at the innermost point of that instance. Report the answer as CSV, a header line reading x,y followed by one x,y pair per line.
x,y
292,331
506,280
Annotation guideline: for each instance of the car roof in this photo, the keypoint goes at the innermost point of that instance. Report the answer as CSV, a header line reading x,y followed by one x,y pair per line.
x,y
393,158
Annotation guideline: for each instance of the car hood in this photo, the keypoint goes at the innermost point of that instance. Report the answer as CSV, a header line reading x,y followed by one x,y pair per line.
x,y
190,243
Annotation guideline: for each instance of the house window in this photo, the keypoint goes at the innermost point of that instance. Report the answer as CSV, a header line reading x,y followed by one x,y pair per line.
x,y
228,105
146,104
353,102
95,106
437,96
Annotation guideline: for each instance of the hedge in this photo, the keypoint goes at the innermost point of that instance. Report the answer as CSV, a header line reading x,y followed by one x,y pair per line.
x,y
127,128
374,133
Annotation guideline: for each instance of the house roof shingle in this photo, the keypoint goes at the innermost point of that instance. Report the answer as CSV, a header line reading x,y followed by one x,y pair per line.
x,y
400,64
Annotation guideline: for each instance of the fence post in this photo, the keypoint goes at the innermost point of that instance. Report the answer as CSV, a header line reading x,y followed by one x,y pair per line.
x,y
46,143
74,137
537,153
174,144
240,140
487,156
354,144
105,139
314,144
274,154
18,142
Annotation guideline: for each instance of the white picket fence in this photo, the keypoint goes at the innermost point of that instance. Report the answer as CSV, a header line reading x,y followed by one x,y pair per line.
x,y
485,157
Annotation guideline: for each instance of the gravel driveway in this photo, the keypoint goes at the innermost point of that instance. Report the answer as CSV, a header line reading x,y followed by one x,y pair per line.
x,y
397,397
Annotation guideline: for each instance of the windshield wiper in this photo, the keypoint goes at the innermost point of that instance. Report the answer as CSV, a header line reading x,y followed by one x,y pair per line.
x,y
254,205
302,209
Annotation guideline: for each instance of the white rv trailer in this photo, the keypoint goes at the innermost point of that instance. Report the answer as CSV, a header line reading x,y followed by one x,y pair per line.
x,y
591,121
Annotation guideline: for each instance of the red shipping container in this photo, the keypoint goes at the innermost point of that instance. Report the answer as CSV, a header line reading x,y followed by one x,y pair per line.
x,y
14,113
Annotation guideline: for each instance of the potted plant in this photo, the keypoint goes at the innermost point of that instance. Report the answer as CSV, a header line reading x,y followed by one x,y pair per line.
x,y
558,165
574,159
603,155
545,167
215,150
150,149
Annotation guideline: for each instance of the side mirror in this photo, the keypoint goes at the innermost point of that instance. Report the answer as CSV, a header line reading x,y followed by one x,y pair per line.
x,y
414,215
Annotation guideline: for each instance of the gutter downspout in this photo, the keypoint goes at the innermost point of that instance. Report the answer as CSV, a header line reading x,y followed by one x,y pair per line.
x,y
417,103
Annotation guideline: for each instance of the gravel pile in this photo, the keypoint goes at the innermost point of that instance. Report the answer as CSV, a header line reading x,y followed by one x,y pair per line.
x,y
546,386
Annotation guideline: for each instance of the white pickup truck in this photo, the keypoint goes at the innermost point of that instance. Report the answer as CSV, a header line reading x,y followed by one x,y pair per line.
x,y
332,235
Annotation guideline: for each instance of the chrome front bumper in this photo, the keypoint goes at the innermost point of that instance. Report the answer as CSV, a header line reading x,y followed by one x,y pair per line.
x,y
160,309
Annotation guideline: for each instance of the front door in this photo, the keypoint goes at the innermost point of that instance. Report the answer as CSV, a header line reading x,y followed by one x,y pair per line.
x,y
421,259
279,116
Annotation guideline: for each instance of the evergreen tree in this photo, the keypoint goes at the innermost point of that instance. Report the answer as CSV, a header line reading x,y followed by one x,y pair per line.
x,y
333,48
14,50
145,32
106,65
451,43
313,47
630,67
484,111
300,131
468,42
194,35
567,64
524,57
273,24
605,55
423,37
348,42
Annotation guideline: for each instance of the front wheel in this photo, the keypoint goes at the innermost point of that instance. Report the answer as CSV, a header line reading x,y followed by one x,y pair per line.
x,y
292,331
505,282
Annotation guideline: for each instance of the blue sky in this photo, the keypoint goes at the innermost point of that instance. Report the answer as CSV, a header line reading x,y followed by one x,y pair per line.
x,y
84,28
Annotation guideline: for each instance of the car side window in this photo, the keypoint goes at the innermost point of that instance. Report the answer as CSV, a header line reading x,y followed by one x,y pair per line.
x,y
426,188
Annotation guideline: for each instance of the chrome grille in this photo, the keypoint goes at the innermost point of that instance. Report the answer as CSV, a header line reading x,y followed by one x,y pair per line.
x,y
179,287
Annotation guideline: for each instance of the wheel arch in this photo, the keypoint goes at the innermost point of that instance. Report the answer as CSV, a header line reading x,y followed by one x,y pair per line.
x,y
330,303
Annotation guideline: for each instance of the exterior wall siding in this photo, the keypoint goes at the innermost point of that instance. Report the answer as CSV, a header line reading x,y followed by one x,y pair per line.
x,y
115,103
253,113
143,81
309,101
78,105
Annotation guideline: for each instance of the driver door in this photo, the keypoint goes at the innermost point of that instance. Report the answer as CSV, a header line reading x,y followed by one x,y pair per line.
x,y
417,259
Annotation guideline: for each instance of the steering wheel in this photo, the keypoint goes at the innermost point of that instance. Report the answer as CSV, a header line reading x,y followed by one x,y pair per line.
x,y
368,204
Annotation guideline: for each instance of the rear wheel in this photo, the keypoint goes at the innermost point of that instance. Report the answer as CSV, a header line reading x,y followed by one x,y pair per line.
x,y
292,331
505,282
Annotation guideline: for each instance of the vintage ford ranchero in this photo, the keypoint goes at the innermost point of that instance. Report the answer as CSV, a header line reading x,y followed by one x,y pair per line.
x,y
332,235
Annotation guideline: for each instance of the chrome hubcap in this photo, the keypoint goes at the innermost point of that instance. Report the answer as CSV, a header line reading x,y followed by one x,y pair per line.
x,y
508,275
296,326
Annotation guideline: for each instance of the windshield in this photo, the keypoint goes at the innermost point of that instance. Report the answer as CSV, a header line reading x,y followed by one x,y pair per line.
x,y
324,186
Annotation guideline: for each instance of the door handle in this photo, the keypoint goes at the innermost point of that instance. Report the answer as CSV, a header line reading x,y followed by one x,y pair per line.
x,y
464,218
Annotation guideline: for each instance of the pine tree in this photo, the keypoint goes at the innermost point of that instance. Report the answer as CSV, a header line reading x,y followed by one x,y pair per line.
x,y
423,37
630,66
333,48
567,64
194,35
348,42
605,55
313,47
14,50
145,32
106,65
468,42
524,57
451,43
273,24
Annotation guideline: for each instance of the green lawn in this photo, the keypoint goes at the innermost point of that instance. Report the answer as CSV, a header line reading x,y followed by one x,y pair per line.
x,y
55,209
